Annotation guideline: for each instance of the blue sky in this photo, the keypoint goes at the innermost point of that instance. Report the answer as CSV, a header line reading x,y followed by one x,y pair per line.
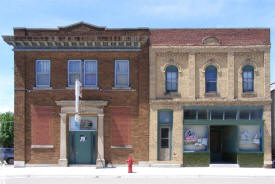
x,y
128,13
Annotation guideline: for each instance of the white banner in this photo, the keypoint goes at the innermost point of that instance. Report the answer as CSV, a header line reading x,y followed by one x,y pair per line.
x,y
78,93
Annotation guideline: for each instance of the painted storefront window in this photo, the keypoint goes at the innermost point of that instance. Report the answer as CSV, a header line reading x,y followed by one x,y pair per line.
x,y
250,138
195,138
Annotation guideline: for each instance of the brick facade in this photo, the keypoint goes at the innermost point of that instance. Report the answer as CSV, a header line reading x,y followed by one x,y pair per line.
x,y
28,96
229,50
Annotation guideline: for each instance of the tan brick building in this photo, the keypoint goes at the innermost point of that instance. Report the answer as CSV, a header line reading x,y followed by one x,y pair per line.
x,y
210,96
112,65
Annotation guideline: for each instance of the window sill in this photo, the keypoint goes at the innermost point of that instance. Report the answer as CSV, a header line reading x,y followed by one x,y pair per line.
x,y
42,146
249,94
172,94
123,147
90,88
42,88
84,88
70,87
211,94
123,89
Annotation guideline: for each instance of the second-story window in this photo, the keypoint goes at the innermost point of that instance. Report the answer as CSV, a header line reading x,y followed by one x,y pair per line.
x,y
121,73
43,73
74,71
171,79
90,70
85,71
211,79
248,79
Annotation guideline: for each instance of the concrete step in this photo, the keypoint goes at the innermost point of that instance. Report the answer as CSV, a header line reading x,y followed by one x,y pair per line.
x,y
165,165
225,165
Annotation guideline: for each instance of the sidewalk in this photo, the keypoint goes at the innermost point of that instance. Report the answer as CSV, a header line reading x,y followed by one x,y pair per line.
x,y
139,172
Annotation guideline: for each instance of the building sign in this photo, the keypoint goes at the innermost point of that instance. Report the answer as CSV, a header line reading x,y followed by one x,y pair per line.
x,y
88,123
82,138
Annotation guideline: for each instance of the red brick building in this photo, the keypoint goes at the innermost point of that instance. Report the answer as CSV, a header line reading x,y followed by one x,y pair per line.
x,y
113,66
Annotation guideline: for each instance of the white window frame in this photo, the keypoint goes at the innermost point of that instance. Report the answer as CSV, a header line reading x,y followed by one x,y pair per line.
x,y
68,65
122,86
85,73
36,74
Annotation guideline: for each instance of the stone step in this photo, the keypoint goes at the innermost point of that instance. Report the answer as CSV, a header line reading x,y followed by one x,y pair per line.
x,y
225,165
165,165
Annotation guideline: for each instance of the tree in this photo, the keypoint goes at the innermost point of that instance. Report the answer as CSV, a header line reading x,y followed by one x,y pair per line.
x,y
6,130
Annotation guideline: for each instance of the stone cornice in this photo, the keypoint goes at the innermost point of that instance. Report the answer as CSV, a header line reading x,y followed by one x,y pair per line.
x,y
75,42
88,103
181,50
210,101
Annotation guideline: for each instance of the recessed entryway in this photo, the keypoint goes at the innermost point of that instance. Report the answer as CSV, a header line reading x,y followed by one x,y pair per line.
x,y
83,140
223,144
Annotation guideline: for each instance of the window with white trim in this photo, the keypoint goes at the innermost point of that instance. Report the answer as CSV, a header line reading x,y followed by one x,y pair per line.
x,y
74,71
121,73
90,73
43,73
85,71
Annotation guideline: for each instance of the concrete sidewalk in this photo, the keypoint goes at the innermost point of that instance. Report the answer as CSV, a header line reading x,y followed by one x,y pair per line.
x,y
139,172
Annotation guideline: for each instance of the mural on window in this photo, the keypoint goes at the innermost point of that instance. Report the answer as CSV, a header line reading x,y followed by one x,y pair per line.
x,y
250,138
195,138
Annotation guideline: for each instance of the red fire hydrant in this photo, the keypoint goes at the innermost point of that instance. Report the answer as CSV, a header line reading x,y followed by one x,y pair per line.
x,y
130,162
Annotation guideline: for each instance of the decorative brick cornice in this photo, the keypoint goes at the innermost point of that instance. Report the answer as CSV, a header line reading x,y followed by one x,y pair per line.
x,y
64,42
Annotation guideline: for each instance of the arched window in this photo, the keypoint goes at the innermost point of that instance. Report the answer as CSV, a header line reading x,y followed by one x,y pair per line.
x,y
171,79
248,78
211,79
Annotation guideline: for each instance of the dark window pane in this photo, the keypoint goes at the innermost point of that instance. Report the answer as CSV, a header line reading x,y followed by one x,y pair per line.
x,y
164,143
171,81
165,116
189,114
216,114
244,114
164,132
211,87
171,78
230,114
256,114
211,79
202,114
248,78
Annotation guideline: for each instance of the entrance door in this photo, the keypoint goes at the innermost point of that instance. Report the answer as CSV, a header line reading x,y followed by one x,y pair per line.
x,y
83,140
223,144
82,147
165,143
215,144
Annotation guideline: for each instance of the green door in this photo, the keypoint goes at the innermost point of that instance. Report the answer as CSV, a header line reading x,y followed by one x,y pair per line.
x,y
82,147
